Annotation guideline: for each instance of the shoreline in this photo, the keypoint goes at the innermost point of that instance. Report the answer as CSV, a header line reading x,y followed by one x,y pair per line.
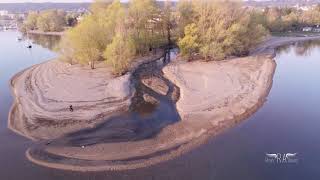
x,y
186,134
269,46
43,105
37,32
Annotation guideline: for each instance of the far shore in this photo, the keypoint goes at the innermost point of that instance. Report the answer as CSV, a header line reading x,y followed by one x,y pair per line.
x,y
270,44
214,96
46,33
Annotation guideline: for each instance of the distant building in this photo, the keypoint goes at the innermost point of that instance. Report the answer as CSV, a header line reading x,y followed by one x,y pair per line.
x,y
80,18
307,29
316,30
4,12
82,13
302,7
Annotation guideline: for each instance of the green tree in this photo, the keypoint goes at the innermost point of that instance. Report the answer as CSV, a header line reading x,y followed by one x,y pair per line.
x,y
119,53
71,19
311,17
185,10
291,21
51,20
168,21
189,43
89,39
43,22
67,53
99,6
143,15
31,21
223,29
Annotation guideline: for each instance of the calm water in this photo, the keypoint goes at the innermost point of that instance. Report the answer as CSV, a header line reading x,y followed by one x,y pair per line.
x,y
289,122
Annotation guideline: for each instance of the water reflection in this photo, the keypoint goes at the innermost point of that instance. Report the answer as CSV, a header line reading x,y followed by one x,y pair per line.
x,y
300,48
46,41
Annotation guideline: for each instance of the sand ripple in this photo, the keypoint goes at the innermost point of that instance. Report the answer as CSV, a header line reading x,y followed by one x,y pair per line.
x,y
213,97
44,93
213,100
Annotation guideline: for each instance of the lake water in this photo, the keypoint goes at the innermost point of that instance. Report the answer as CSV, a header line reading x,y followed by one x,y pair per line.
x,y
289,122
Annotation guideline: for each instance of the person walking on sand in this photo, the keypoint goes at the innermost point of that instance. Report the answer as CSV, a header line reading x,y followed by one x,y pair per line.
x,y
71,108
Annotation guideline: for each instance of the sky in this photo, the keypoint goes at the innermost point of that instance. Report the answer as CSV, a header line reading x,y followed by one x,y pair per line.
x,y
40,1
37,1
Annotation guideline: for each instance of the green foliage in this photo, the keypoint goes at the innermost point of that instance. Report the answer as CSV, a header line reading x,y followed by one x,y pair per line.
x,y
185,10
289,19
115,34
49,20
110,26
188,44
311,17
66,50
71,19
88,40
119,53
143,15
43,22
31,21
223,29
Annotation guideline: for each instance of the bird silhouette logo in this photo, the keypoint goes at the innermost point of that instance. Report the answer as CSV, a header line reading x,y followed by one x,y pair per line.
x,y
281,158
274,156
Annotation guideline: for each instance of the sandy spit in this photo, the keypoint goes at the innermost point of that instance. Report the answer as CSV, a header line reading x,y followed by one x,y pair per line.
x,y
213,97
173,140
44,92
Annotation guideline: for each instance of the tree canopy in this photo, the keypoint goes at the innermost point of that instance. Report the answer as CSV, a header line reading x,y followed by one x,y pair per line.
x,y
116,34
48,20
288,19
51,20
109,26
221,29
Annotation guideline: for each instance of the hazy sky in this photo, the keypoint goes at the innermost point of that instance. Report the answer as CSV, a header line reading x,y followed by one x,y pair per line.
x,y
36,1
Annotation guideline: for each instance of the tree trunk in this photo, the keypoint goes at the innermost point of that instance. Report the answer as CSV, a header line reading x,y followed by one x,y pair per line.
x,y
92,64
168,34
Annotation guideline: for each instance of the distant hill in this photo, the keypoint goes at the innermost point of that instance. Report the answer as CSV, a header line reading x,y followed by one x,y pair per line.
x,y
25,7
280,3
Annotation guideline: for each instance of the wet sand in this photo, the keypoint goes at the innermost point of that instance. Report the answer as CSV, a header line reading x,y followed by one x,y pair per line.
x,y
45,92
213,96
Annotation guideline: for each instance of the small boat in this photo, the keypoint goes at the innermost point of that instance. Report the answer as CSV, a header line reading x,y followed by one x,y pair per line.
x,y
19,38
29,46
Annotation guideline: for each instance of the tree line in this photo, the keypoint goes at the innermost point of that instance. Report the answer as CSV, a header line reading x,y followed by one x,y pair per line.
x,y
287,19
117,33
48,21
215,30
